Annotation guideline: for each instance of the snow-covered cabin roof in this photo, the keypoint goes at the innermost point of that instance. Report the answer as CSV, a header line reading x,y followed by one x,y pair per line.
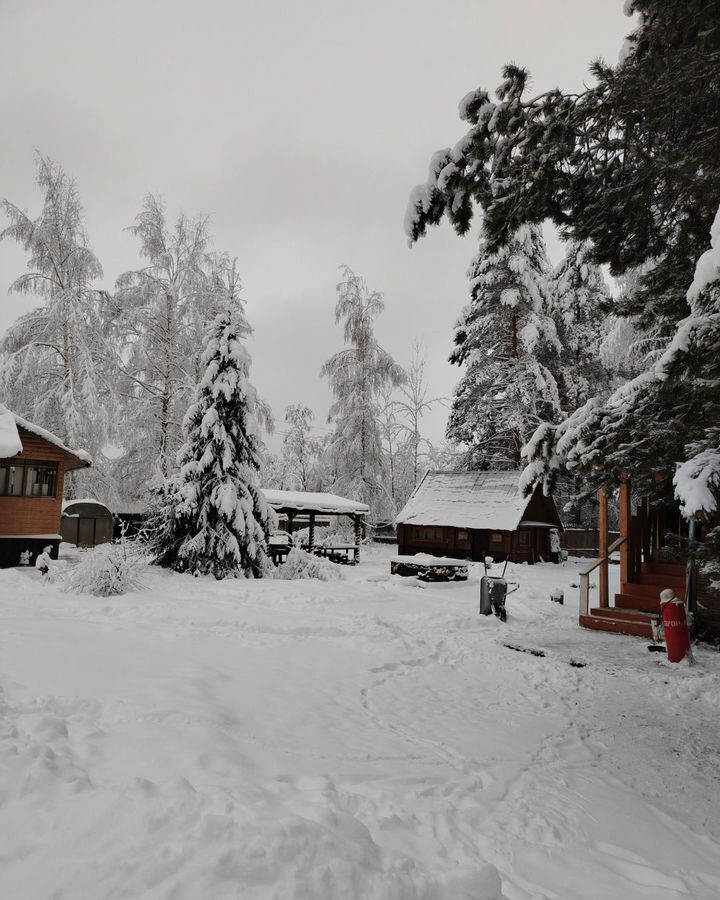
x,y
11,443
307,501
481,500
74,506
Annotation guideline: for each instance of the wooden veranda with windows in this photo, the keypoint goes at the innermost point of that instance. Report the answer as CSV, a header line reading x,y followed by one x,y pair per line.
x,y
647,565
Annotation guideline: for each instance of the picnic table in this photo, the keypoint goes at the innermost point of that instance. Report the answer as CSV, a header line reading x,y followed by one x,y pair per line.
x,y
334,552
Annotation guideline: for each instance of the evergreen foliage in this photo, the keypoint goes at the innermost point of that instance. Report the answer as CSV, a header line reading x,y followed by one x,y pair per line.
x,y
212,517
581,305
507,340
631,163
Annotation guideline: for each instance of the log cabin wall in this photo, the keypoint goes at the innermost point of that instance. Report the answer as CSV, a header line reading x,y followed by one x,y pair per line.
x,y
524,545
34,515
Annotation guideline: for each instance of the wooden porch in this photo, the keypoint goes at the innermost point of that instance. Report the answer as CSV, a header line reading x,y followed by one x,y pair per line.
x,y
643,574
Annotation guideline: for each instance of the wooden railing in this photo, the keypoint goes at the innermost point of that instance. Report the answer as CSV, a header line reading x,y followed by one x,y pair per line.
x,y
585,575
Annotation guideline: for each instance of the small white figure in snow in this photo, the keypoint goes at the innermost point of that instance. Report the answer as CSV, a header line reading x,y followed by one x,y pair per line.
x,y
43,561
555,545
25,558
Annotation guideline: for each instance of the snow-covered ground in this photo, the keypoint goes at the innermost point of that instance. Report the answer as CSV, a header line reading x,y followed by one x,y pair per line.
x,y
368,738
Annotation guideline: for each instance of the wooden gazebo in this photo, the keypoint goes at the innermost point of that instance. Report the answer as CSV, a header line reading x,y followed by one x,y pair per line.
x,y
307,506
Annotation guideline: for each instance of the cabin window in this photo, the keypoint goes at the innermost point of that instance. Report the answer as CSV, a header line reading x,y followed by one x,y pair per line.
x,y
462,535
11,480
28,479
523,538
496,537
40,480
429,534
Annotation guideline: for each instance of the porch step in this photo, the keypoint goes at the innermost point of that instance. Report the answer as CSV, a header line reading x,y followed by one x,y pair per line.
x,y
638,602
634,628
651,590
626,615
664,568
676,582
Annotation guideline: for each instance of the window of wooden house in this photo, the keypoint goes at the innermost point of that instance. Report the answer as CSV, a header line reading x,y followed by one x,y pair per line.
x,y
496,537
29,479
40,479
523,538
11,480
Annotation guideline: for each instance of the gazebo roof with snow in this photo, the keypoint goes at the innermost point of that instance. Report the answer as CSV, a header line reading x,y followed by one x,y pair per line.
x,y
310,502
474,500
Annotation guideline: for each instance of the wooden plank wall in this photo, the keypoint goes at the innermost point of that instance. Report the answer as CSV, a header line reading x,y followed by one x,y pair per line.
x,y
34,515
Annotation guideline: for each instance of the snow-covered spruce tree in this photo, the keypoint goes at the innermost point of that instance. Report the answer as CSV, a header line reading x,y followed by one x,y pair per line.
x,y
508,343
54,361
212,517
356,375
665,416
581,304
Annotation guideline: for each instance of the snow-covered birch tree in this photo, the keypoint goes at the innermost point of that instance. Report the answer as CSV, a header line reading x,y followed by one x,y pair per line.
x,y
356,376
507,341
213,517
54,360
162,315
412,404
300,450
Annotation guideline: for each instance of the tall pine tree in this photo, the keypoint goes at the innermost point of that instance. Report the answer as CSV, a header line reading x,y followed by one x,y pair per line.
x,y
581,304
507,341
213,517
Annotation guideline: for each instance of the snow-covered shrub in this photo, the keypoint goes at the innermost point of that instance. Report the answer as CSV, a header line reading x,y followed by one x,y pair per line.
x,y
105,571
340,531
301,564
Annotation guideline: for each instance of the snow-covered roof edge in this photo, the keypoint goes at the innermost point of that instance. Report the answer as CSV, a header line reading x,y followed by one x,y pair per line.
x,y
309,501
80,455
10,443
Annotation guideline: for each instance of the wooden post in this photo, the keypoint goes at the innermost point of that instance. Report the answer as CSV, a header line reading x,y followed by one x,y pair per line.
x,y
625,516
290,518
604,594
311,533
645,529
358,537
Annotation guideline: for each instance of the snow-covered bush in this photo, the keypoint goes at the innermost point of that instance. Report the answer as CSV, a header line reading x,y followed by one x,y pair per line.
x,y
105,571
301,564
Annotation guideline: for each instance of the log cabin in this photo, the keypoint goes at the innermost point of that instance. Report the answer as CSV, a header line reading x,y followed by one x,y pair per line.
x,y
33,466
471,515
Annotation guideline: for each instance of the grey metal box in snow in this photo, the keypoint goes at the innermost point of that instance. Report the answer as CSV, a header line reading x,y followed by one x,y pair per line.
x,y
493,592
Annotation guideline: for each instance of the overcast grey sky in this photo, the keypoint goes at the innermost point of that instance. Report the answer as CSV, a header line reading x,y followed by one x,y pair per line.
x,y
300,127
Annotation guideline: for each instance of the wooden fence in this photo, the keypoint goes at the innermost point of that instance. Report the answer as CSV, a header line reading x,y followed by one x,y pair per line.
x,y
584,541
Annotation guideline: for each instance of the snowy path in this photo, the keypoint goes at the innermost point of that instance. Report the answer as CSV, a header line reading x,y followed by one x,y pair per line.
x,y
365,739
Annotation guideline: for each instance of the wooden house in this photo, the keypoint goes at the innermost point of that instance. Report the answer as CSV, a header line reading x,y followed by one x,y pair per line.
x,y
33,465
471,515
